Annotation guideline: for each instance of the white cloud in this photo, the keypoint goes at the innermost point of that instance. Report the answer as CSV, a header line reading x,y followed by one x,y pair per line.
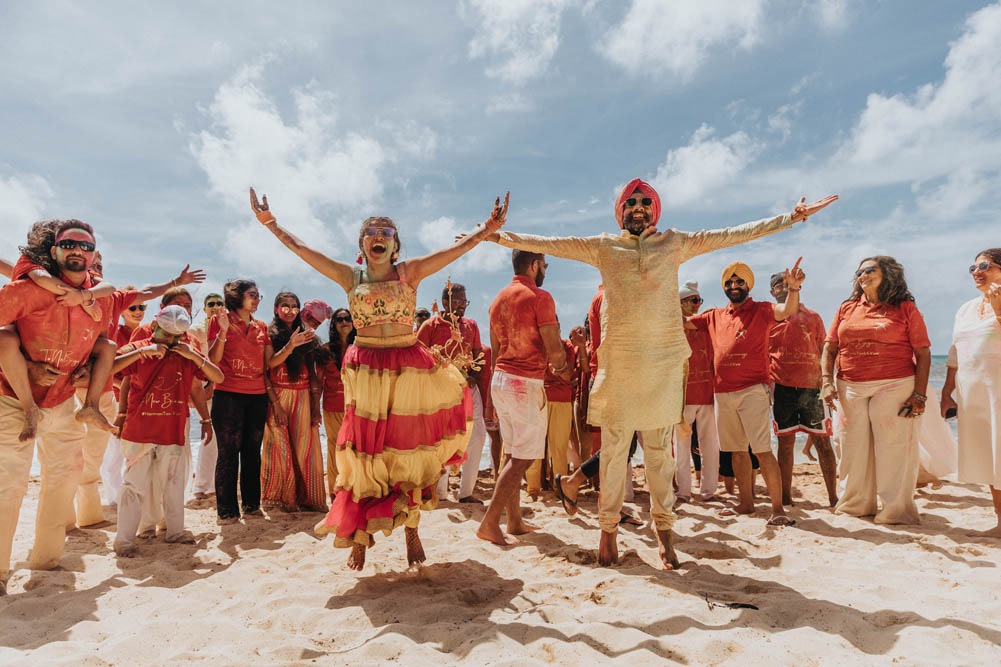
x,y
519,37
675,36
780,122
707,163
24,200
957,196
832,15
484,258
509,103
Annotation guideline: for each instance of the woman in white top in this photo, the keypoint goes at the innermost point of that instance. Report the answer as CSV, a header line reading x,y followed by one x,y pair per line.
x,y
974,370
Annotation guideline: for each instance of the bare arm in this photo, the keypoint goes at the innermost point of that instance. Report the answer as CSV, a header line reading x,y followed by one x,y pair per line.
x,y
794,281
827,358
186,277
300,337
6,268
339,272
69,295
219,344
946,401
550,334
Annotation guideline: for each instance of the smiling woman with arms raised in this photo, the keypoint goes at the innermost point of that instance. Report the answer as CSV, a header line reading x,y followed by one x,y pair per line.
x,y
406,416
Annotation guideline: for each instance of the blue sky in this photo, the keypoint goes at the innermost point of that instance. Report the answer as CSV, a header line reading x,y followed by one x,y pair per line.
x,y
151,122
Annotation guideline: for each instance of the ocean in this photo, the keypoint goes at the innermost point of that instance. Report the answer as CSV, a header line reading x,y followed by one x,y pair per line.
x,y
936,380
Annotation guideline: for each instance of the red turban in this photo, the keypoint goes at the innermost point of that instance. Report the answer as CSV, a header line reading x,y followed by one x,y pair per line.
x,y
644,188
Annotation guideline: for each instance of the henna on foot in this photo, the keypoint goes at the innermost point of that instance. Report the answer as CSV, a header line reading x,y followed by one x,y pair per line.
x,y
415,550
356,560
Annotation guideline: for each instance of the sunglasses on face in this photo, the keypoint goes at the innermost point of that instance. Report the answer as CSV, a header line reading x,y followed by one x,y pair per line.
x,y
739,282
982,266
295,308
256,296
70,244
342,318
646,201
384,232
213,304
697,300
867,270
139,308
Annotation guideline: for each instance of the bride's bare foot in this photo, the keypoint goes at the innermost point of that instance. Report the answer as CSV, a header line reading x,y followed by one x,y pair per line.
x,y
608,549
665,548
356,561
31,417
415,550
91,416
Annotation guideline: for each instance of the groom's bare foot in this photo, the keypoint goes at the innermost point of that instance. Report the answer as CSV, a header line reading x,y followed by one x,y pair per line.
x,y
493,533
520,528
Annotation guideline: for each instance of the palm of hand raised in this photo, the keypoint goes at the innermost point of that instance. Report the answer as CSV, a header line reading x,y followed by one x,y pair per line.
x,y
261,209
804,210
499,215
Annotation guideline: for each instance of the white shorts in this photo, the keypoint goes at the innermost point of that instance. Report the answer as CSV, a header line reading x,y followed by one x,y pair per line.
x,y
521,410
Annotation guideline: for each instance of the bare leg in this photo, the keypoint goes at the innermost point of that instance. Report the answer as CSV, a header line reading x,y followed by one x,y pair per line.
x,y
496,446
808,447
773,481
415,550
15,369
828,465
665,548
90,413
356,561
742,472
508,485
608,548
728,483
996,531
787,452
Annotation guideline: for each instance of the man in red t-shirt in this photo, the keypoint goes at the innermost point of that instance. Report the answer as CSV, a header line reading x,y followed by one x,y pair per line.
x,y
698,406
739,335
524,342
458,336
794,346
161,370
57,344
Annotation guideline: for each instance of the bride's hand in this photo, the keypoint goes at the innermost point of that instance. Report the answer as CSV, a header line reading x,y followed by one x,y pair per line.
x,y
261,210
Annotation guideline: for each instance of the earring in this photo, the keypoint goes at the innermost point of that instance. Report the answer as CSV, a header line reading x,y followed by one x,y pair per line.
x,y
360,256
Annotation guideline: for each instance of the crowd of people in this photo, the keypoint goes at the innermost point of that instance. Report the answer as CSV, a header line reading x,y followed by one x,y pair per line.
x,y
407,394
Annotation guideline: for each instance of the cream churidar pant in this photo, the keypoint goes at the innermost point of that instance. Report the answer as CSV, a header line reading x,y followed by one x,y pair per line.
x,y
659,474
152,471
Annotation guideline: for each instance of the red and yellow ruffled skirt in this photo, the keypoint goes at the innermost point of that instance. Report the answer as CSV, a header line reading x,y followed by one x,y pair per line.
x,y
407,415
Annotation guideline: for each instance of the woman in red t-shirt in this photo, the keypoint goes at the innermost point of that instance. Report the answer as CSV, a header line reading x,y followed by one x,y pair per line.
x,y
881,346
291,460
240,346
329,359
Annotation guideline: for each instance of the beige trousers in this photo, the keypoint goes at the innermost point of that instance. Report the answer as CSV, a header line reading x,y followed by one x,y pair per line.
x,y
879,451
60,445
151,472
659,462
332,424
88,495
560,416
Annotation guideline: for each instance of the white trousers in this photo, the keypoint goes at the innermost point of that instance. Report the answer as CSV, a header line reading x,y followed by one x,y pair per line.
x,y
88,495
474,450
112,471
151,472
60,452
879,456
659,464
208,453
704,417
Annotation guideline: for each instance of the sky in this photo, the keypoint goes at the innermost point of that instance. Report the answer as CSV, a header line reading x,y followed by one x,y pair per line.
x,y
151,121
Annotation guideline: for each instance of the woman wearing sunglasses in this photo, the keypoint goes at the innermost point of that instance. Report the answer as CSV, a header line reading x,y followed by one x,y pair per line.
x,y
974,374
329,361
406,415
880,344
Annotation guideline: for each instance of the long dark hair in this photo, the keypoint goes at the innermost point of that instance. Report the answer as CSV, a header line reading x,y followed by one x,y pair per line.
x,y
233,291
38,246
893,289
334,349
281,332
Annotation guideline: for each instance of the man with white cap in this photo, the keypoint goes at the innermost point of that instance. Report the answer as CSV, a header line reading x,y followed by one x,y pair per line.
x,y
698,406
739,335
639,385
162,370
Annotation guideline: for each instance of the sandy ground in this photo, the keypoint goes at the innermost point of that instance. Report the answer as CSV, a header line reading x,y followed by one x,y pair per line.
x,y
829,590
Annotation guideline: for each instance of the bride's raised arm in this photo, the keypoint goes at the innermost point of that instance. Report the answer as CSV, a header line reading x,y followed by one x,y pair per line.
x,y
339,272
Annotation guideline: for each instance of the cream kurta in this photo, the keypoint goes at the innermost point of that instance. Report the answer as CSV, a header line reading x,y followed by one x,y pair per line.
x,y
639,384
976,356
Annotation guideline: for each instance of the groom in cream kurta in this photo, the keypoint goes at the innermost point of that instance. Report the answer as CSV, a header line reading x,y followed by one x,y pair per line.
x,y
639,384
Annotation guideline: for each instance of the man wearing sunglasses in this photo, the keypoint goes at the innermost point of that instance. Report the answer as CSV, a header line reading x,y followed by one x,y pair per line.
x,y
61,340
639,385
794,347
440,331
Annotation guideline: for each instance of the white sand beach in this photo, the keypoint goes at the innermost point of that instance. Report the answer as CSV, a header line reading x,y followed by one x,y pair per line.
x,y
830,590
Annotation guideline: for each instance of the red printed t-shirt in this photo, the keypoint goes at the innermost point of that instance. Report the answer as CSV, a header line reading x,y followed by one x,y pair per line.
x,y
877,342
280,378
794,347
437,331
158,397
594,328
333,387
243,356
50,333
559,390
515,317
699,390
740,343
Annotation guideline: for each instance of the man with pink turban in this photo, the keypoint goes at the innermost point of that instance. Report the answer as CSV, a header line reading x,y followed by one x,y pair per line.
x,y
640,386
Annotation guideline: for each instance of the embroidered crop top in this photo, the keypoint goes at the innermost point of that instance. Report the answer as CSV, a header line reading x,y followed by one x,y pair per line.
x,y
385,302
